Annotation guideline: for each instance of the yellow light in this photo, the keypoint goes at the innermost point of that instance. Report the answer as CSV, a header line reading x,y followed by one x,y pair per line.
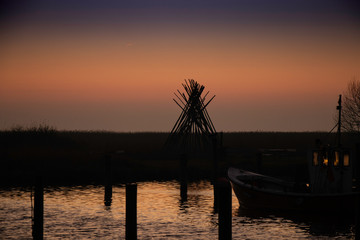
x,y
346,160
315,158
337,159
326,161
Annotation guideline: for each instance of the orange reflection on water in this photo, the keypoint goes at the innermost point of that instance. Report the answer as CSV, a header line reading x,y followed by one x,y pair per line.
x,y
78,212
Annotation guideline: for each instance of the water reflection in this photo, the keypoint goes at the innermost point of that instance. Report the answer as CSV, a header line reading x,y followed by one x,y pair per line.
x,y
314,225
78,212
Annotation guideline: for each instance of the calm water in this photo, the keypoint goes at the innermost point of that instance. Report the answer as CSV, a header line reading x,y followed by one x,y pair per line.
x,y
79,213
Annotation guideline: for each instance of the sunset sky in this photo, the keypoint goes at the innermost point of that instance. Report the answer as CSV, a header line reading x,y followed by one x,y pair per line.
x,y
114,65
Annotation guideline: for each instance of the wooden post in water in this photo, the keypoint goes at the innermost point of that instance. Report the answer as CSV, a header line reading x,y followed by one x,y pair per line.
x,y
225,209
38,227
215,171
183,177
108,181
357,227
131,211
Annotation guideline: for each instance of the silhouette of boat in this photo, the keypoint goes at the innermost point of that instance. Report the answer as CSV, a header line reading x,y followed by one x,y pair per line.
x,y
329,190
256,191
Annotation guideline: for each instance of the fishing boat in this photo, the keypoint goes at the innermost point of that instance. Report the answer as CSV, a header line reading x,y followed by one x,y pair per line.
x,y
330,187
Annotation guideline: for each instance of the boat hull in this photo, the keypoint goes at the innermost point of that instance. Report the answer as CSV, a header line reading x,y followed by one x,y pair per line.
x,y
252,197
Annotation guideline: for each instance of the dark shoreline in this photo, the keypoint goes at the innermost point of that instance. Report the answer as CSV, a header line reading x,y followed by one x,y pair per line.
x,y
70,157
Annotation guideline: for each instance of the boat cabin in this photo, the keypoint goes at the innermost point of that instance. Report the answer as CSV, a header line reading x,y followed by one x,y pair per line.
x,y
330,170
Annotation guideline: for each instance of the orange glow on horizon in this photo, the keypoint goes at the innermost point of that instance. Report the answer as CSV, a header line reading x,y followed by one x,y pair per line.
x,y
137,62
231,71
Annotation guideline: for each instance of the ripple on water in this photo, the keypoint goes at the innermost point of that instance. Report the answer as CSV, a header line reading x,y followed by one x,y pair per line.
x,y
79,212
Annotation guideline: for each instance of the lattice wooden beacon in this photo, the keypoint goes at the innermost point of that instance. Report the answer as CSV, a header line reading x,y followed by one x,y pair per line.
x,y
194,131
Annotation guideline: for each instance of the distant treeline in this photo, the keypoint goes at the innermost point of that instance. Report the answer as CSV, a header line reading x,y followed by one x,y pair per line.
x,y
73,157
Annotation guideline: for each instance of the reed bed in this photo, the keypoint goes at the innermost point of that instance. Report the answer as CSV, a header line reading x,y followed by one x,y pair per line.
x,y
77,157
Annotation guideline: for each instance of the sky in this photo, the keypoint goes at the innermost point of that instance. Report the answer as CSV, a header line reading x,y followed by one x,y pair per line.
x,y
115,65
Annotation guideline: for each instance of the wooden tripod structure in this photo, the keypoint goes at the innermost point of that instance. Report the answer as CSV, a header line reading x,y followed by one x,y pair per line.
x,y
194,130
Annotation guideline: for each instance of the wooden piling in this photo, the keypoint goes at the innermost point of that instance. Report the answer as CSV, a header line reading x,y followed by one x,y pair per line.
x,y
108,181
131,211
357,174
38,227
225,209
108,195
215,172
183,177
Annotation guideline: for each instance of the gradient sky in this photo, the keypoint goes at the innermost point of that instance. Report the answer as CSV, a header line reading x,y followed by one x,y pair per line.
x,y
114,65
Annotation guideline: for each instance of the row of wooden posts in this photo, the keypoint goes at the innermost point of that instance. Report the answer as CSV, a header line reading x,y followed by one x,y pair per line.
x,y
223,204
131,209
224,208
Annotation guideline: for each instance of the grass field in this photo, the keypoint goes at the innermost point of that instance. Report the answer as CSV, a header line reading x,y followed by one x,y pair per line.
x,y
74,157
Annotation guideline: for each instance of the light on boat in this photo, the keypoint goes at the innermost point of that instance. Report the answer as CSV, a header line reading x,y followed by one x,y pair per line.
x,y
326,161
337,159
346,160
315,158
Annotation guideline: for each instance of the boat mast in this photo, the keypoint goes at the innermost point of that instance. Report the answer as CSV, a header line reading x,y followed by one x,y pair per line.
x,y
339,122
